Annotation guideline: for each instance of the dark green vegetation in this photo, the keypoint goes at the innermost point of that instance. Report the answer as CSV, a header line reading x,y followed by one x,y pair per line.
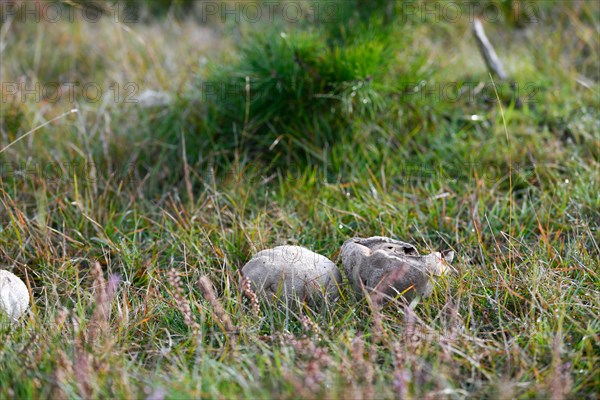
x,y
378,120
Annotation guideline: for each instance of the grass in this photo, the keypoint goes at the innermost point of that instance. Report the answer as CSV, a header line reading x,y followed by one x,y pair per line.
x,y
112,215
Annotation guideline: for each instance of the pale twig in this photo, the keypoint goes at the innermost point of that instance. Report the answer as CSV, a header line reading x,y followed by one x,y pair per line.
x,y
487,51
38,128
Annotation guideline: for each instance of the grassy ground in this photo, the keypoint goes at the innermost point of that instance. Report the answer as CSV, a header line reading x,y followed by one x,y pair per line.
x,y
114,213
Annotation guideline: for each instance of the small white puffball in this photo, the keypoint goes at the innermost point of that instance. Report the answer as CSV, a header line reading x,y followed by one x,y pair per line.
x,y
438,263
14,296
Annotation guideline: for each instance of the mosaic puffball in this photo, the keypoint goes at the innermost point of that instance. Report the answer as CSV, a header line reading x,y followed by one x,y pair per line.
x,y
294,272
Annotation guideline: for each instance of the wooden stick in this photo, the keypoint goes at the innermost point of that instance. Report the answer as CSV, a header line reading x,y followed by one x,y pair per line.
x,y
487,51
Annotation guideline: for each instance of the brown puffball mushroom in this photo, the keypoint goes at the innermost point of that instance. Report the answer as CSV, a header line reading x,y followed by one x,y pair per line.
x,y
386,267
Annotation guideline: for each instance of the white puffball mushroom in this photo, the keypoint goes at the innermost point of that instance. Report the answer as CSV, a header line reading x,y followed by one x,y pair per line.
x,y
14,296
294,272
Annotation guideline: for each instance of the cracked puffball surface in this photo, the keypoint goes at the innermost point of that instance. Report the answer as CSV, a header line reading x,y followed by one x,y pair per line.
x,y
294,272
14,296
386,268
